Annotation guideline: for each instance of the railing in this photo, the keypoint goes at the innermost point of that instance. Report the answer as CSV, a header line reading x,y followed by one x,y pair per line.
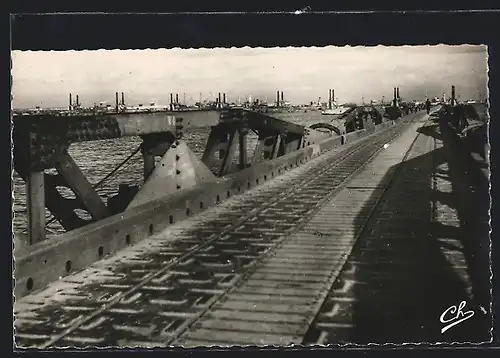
x,y
189,186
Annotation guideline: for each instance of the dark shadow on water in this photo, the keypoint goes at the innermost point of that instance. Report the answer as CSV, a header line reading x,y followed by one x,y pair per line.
x,y
406,270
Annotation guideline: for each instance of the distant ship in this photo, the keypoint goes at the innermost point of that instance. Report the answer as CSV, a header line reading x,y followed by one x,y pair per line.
x,y
334,111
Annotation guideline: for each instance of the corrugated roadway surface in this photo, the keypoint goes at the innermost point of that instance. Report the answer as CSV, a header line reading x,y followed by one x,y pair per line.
x,y
279,300
255,270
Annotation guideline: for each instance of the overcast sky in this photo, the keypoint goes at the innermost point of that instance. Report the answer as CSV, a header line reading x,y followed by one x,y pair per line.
x,y
45,78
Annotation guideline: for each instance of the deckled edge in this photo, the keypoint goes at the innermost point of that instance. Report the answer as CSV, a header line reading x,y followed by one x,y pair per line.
x,y
488,162
12,197
258,48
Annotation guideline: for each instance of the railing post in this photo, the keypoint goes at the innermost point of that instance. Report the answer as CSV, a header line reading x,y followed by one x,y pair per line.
x,y
243,148
35,191
230,152
276,147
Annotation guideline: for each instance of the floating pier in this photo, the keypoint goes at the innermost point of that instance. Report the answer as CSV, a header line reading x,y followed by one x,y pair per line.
x,y
316,236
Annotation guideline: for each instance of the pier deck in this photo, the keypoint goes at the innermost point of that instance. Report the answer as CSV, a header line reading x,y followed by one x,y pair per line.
x,y
368,242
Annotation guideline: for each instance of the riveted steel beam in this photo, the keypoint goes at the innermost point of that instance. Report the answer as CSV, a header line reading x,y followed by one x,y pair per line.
x,y
217,143
266,148
48,135
243,162
35,190
230,152
77,182
154,145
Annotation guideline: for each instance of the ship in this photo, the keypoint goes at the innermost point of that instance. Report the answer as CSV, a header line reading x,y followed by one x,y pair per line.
x,y
334,111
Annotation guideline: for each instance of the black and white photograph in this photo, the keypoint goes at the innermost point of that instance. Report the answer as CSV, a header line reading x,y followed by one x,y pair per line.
x,y
251,196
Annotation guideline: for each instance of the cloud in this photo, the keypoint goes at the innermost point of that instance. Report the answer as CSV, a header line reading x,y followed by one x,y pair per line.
x,y
304,74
